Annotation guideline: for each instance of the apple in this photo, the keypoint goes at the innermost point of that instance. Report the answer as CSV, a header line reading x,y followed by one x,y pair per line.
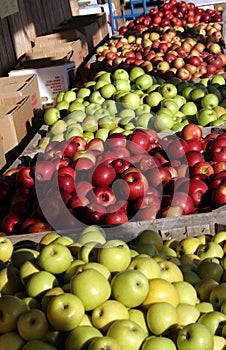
x,y
204,287
107,313
129,280
156,343
128,334
104,342
161,316
51,115
115,255
187,314
11,340
210,100
210,269
187,293
6,249
138,316
32,324
193,336
103,175
39,283
81,336
91,287
213,320
217,295
161,290
11,308
145,264
65,312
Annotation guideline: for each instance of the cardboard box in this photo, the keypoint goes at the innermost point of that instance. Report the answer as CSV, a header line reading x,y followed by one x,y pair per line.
x,y
25,85
62,36
15,120
90,26
2,155
55,72
57,50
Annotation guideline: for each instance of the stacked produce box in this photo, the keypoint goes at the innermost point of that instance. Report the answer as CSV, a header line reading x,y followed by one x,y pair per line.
x,y
113,218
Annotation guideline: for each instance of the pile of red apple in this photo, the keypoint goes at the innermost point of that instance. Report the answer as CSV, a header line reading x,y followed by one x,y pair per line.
x,y
173,14
96,292
122,179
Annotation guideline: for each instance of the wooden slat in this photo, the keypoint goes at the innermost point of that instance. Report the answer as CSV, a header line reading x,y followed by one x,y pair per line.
x,y
7,56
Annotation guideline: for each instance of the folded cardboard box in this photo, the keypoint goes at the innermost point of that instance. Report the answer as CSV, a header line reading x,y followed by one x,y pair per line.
x,y
15,121
25,85
62,36
54,74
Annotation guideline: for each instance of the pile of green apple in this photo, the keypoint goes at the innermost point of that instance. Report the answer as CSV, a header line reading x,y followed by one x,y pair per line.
x,y
94,292
121,101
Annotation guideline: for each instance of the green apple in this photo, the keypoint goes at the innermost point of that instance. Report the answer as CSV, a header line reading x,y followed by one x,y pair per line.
x,y
156,343
77,116
214,321
64,240
189,109
170,104
206,116
194,336
149,237
32,324
60,96
218,79
187,245
11,340
83,92
39,283
96,266
122,85
58,138
187,313
65,312
191,276
218,295
163,121
103,75
154,98
104,342
10,282
161,317
138,316
32,303
204,287
209,269
100,83
108,122
62,106
6,249
110,106
92,236
210,100
72,131
108,312
86,320
50,294
91,287
96,97
37,345
11,307
90,123
210,250
51,115
58,127
27,269
47,239
187,92
204,307
131,100
19,256
115,255
55,258
219,342
180,100
80,337
102,134
187,293
120,74
198,93
130,287
170,271
88,252
145,264
107,90
136,72
69,96
128,334
144,82
143,120
76,106
161,290
72,269
92,108
168,90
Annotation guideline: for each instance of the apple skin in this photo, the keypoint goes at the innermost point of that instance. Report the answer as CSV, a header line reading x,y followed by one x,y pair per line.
x,y
128,334
91,287
82,336
67,317
193,336
11,340
11,307
161,317
156,343
32,324
6,249
130,280
115,255
104,342
103,175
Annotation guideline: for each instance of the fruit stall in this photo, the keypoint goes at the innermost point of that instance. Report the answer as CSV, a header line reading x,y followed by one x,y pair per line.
x,y
113,179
